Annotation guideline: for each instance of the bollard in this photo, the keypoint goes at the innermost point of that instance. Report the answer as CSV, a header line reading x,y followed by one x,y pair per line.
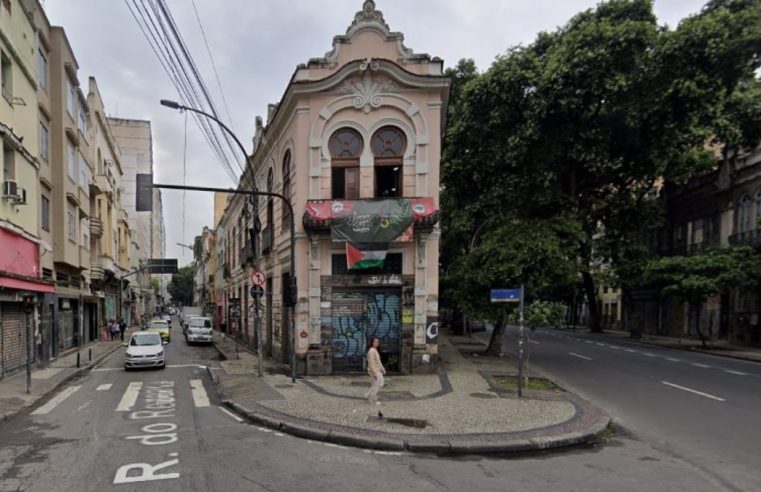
x,y
77,360
89,354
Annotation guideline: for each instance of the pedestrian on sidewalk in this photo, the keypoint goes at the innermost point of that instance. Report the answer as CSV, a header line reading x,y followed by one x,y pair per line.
x,y
376,370
122,328
114,330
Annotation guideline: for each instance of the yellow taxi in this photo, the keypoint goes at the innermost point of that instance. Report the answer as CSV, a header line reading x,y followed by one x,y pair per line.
x,y
161,327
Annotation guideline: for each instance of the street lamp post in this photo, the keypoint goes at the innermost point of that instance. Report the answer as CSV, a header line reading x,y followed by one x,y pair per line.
x,y
254,192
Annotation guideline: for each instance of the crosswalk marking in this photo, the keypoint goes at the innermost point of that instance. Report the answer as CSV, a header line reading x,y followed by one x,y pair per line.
x,y
200,399
56,400
129,398
104,387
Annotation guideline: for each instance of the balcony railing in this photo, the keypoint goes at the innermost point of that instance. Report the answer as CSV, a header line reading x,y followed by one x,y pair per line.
x,y
746,238
267,239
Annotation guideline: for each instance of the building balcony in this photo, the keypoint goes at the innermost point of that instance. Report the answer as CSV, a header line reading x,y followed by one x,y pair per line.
x,y
247,254
107,264
747,238
96,227
373,214
267,239
96,273
103,183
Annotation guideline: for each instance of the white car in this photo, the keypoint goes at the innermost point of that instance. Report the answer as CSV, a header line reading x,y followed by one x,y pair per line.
x,y
144,349
199,330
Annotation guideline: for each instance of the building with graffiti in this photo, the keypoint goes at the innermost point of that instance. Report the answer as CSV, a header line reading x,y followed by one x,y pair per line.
x,y
355,144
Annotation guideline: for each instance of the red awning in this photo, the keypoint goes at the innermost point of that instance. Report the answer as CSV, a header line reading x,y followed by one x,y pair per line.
x,y
15,283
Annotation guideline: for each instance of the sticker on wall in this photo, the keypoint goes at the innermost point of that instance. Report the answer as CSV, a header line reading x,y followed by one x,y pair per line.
x,y
432,330
408,316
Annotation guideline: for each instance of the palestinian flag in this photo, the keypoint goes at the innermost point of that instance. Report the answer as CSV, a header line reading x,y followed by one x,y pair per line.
x,y
363,256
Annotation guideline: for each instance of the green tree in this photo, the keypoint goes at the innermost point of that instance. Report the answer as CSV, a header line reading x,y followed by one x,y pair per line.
x,y
695,278
586,120
156,285
181,286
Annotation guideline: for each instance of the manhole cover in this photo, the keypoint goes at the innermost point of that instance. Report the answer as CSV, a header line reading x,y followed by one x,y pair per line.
x,y
284,386
416,423
483,395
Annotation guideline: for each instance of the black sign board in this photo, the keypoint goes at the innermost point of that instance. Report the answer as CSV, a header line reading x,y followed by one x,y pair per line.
x,y
144,193
162,265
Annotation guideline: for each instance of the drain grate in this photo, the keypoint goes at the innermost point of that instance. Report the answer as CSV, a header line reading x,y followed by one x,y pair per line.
x,y
415,423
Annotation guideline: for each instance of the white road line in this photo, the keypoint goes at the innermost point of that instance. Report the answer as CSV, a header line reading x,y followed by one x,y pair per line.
x,y
534,342
614,347
736,373
588,341
648,354
200,399
104,387
579,356
704,366
631,351
672,359
706,395
129,398
600,344
56,400
231,414
106,369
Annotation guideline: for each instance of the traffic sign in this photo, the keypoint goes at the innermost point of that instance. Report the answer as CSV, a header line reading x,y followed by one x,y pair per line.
x,y
256,291
258,278
505,295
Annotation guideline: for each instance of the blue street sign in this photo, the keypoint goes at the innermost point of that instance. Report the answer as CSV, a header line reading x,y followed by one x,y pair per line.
x,y
505,295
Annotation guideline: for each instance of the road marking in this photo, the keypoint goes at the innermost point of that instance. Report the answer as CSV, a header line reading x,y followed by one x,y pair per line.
x,y
200,399
631,351
56,400
263,429
106,369
600,344
706,395
129,398
579,356
231,414
736,373
175,366
104,387
648,354
587,341
614,347
704,366
672,359
534,342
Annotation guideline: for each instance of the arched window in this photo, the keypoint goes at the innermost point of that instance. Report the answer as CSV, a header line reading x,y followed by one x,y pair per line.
x,y
388,145
270,205
345,147
745,214
286,213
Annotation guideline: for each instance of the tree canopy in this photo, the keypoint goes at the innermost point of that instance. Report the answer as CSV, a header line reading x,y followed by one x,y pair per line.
x,y
552,154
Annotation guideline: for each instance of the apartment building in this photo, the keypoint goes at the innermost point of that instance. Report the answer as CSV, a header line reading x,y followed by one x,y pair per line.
x,y
355,144
20,204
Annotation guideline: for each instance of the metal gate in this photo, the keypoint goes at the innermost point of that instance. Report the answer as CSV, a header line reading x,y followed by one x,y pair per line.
x,y
12,337
357,317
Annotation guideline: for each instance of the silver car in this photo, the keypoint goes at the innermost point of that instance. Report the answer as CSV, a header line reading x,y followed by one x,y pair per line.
x,y
144,349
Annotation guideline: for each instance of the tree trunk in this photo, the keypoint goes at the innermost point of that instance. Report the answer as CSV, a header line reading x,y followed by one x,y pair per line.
x,y
495,343
698,306
595,324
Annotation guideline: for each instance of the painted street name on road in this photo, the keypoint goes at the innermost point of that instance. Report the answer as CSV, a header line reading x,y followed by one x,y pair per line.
x,y
159,404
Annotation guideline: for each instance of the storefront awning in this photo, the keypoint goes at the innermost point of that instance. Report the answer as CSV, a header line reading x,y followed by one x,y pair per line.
x,y
19,284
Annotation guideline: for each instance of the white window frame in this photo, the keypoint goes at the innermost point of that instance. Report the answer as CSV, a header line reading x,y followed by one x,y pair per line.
x,y
42,70
73,163
44,213
44,142
72,223
71,99
84,181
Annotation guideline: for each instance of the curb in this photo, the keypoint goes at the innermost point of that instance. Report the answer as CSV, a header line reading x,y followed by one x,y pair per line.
x,y
441,444
77,373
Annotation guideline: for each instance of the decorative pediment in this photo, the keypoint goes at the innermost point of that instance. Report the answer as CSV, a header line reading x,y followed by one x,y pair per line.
x,y
368,89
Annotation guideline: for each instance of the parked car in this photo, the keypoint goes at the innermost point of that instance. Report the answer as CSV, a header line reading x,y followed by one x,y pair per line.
x,y
199,330
161,327
144,349
188,312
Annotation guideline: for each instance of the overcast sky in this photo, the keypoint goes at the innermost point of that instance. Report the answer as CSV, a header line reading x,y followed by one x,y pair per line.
x,y
256,45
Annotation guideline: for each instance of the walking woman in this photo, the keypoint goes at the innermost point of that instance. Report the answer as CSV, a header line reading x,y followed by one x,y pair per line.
x,y
376,371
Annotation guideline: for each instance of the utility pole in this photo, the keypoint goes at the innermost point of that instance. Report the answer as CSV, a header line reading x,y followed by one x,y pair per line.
x,y
520,345
292,297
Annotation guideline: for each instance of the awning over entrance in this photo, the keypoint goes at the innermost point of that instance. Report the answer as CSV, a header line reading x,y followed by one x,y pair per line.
x,y
20,284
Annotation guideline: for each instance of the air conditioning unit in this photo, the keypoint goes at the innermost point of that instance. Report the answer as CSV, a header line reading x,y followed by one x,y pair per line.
x,y
10,189
20,196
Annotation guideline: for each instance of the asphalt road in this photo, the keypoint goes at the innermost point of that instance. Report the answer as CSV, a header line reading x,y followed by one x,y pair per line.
x,y
164,430
701,408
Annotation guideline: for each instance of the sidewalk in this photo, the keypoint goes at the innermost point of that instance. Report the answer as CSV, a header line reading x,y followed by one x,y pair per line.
x,y
468,407
721,348
13,395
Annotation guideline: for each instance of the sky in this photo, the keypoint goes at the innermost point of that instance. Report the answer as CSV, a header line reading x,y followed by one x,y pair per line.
x,y
256,46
